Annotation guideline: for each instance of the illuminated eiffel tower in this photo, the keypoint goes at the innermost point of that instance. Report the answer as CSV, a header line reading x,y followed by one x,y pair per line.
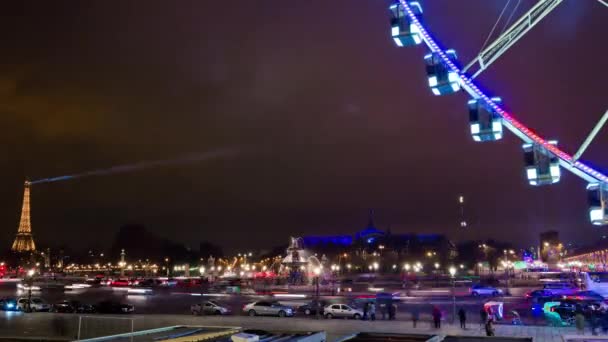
x,y
24,242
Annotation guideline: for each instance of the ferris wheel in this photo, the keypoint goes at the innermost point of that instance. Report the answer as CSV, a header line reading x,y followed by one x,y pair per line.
x,y
543,159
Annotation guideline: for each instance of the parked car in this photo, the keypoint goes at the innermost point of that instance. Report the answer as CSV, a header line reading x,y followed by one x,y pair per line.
x,y
586,296
263,308
311,308
110,307
209,308
560,289
342,311
9,304
35,304
72,306
484,290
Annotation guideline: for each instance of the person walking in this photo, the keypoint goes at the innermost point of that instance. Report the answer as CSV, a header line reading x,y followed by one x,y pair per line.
x,y
489,328
483,315
579,322
365,310
383,309
415,316
437,317
372,311
392,310
462,316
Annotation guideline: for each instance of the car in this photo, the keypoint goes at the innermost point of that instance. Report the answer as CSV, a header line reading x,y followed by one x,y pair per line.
x,y
586,296
9,304
120,283
560,289
540,295
567,309
72,306
484,290
35,304
148,283
209,308
342,311
110,307
311,308
265,308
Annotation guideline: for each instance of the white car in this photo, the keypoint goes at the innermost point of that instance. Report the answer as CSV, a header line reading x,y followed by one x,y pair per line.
x,y
36,304
343,311
483,290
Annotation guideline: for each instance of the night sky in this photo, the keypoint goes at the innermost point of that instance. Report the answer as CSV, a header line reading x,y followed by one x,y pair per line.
x,y
329,119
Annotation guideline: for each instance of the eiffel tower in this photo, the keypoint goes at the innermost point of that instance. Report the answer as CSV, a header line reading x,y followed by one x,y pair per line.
x,y
24,242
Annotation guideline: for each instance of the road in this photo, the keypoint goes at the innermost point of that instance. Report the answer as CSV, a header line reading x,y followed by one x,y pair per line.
x,y
178,301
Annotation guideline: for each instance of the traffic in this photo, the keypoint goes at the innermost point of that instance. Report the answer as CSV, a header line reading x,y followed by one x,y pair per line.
x,y
550,302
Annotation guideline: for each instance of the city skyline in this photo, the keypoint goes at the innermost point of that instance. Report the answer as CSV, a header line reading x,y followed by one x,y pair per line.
x,y
322,136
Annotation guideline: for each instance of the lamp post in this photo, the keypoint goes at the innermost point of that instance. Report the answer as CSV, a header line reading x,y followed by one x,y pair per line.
x,y
453,274
317,272
30,283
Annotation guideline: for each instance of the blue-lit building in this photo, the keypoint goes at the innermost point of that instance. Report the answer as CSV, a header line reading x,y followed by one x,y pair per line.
x,y
371,239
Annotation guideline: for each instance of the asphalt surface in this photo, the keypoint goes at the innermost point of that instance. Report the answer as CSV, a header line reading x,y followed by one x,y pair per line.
x,y
178,301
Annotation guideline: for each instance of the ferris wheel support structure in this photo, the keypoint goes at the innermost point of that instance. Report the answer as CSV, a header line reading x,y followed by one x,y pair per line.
x,y
519,129
591,136
524,24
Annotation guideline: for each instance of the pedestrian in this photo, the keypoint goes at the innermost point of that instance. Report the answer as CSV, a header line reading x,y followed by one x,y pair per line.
x,y
436,317
595,322
372,311
483,315
365,309
489,328
383,309
462,316
579,321
392,310
415,316
604,321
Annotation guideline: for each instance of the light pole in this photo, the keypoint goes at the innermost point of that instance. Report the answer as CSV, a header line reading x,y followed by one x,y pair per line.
x,y
453,274
167,266
30,283
318,303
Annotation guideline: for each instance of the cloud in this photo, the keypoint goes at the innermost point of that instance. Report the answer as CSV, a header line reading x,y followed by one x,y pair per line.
x,y
49,110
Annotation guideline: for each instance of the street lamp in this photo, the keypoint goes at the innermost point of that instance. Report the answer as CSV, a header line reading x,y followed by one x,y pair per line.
x,y
30,283
452,275
317,272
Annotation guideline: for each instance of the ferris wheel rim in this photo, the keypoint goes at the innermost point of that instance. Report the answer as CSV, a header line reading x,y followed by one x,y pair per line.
x,y
566,160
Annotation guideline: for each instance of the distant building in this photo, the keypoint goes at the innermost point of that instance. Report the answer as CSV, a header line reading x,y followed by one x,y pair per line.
x,y
371,240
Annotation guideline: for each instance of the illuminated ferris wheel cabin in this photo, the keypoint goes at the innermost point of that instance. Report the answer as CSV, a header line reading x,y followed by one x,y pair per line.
x,y
598,203
442,79
485,123
403,31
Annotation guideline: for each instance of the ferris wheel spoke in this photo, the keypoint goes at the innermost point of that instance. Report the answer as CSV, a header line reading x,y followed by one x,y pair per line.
x,y
506,40
591,136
